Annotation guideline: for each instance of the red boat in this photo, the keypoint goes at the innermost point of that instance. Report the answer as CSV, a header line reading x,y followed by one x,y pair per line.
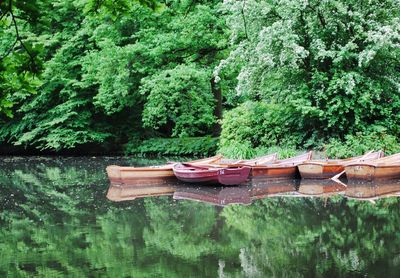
x,y
211,174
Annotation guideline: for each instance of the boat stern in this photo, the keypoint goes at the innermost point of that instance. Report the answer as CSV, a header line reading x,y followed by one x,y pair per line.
x,y
360,172
311,171
114,174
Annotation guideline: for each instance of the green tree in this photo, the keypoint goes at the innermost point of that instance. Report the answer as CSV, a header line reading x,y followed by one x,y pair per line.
x,y
334,63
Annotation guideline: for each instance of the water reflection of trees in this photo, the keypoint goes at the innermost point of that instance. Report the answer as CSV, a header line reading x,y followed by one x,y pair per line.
x,y
55,220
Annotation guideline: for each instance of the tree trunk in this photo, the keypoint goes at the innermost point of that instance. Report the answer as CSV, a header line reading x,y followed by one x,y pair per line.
x,y
216,90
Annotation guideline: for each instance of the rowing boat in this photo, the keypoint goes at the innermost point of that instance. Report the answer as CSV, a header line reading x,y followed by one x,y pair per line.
x,y
325,169
149,175
211,174
384,168
281,169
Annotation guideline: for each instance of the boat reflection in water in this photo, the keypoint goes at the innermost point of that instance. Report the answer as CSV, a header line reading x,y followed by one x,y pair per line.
x,y
119,193
328,187
220,196
373,190
258,189
263,188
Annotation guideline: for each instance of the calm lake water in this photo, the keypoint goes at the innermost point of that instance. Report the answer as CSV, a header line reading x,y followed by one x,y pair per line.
x,y
56,221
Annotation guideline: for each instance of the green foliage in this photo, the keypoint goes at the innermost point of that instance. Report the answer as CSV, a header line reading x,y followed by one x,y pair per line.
x,y
334,63
20,66
361,143
108,72
107,64
194,146
254,126
180,98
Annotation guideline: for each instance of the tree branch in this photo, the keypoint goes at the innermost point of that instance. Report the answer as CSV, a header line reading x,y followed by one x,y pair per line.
x,y
244,19
18,37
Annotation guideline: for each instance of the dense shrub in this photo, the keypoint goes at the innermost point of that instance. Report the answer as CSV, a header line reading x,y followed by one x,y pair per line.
x,y
261,124
333,64
361,143
188,146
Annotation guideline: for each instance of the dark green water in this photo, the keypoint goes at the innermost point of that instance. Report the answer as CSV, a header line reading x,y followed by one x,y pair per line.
x,y
56,221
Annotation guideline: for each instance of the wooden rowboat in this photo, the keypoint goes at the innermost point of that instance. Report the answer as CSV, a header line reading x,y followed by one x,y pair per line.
x,y
149,175
384,168
211,174
282,169
325,169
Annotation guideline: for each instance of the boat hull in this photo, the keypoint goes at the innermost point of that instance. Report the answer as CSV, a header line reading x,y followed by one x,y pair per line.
x,y
139,176
224,176
198,176
233,176
262,172
372,172
319,171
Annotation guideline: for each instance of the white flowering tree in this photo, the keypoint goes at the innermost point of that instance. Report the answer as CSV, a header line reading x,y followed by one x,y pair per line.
x,y
336,63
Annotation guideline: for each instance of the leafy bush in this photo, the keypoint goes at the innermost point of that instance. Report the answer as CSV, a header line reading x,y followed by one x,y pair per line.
x,y
360,143
193,146
180,97
237,150
261,124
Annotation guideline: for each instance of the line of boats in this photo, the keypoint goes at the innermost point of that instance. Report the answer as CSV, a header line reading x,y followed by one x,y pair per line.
x,y
219,170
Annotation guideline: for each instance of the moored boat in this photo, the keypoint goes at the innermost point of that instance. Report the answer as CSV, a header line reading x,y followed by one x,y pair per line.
x,y
149,175
281,169
325,169
384,168
211,174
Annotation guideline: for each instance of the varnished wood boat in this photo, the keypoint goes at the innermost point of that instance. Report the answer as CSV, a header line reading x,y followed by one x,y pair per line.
x,y
216,196
325,169
212,174
149,175
281,169
384,168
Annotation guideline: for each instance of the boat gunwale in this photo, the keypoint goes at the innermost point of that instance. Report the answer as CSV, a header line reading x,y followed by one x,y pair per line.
x,y
346,161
